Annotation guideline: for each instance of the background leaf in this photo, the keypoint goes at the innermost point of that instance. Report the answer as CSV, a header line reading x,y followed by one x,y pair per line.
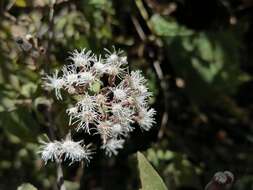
x,y
150,179
20,3
169,28
26,186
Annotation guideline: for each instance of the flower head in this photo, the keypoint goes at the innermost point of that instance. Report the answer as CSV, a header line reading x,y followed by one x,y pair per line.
x,y
119,129
84,119
122,114
82,58
75,152
72,112
137,80
114,57
99,66
70,75
104,128
112,146
115,63
146,118
85,77
120,92
50,151
54,82
87,102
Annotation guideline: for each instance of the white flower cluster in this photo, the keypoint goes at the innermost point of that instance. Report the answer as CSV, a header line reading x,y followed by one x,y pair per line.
x,y
120,101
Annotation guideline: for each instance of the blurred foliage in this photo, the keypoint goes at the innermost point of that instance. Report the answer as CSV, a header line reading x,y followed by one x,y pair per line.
x,y
197,56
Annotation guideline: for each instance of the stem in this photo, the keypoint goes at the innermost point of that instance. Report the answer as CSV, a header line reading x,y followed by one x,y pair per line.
x,y
51,25
60,179
59,173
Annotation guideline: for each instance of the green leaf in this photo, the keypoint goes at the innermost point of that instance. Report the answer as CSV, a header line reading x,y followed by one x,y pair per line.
x,y
150,179
26,186
163,27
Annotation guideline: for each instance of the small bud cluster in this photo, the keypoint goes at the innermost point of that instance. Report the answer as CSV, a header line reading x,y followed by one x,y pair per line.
x,y
111,109
221,180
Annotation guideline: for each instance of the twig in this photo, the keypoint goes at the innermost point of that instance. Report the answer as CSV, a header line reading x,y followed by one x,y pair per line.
x,y
50,29
143,13
138,28
52,137
164,87
162,8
